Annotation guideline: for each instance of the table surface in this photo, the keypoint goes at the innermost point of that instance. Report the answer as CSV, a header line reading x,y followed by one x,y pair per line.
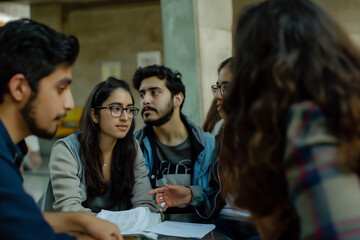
x,y
213,235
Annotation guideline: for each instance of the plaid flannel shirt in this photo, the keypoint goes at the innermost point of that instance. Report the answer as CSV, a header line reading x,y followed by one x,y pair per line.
x,y
325,195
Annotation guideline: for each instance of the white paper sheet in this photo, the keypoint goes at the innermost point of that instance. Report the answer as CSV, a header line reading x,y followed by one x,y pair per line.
x,y
181,229
133,221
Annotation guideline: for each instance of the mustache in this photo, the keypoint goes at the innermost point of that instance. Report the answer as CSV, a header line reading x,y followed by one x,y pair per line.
x,y
60,116
148,108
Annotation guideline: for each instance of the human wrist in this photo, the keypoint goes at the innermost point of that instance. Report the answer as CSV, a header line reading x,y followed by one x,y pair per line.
x,y
81,220
197,194
188,195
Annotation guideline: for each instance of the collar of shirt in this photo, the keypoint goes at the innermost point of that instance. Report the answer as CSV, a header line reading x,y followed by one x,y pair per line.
x,y
9,150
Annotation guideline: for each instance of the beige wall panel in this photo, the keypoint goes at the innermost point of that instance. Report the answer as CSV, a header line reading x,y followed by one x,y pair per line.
x,y
214,21
49,14
111,33
346,13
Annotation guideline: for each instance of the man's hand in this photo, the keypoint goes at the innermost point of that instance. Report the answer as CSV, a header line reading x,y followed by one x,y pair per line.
x,y
83,225
101,229
172,196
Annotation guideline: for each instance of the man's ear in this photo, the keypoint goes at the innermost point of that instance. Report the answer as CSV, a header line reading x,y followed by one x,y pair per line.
x,y
19,87
94,116
178,99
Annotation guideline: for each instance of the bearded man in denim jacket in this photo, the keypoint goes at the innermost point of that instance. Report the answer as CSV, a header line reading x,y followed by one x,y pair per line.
x,y
177,152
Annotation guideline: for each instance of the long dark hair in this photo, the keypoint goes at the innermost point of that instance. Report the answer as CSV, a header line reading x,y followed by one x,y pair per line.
x,y
212,117
286,52
124,152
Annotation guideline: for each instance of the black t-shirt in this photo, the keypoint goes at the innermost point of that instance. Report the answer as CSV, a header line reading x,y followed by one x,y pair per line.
x,y
176,166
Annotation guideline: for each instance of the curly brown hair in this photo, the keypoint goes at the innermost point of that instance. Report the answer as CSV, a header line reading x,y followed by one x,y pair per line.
x,y
286,52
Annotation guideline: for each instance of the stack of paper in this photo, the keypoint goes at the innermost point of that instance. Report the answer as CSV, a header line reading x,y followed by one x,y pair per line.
x,y
133,221
181,229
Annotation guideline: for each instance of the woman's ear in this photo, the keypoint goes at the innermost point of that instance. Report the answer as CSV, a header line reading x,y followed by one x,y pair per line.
x,y
178,99
19,87
94,116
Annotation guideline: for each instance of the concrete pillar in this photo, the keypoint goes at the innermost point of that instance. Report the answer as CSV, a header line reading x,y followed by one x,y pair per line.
x,y
196,37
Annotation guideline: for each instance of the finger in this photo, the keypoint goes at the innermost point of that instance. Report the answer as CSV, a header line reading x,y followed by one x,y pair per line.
x,y
159,202
116,237
165,207
160,199
171,186
112,236
117,234
167,185
156,190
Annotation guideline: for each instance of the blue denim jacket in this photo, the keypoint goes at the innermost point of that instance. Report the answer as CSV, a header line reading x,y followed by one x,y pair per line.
x,y
202,165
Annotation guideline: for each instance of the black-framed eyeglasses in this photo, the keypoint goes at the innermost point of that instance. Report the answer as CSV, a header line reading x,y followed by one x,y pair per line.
x,y
117,111
223,87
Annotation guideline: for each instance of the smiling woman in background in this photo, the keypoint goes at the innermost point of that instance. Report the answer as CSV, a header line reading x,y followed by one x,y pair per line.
x,y
101,166
291,147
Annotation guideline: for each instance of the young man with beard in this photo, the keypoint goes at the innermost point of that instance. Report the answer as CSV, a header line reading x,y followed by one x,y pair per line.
x,y
177,152
35,77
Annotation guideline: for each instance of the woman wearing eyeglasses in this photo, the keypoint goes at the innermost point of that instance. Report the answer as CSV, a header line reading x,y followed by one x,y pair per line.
x,y
232,222
101,166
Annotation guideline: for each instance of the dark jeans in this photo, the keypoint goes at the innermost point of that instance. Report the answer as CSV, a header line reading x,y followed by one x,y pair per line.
x,y
236,229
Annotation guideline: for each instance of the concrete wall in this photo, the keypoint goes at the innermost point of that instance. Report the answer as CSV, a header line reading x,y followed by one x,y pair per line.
x,y
180,50
49,14
12,10
117,32
197,37
346,12
109,32
214,21
194,34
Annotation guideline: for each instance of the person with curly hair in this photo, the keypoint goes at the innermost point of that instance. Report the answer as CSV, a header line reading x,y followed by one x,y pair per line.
x,y
291,145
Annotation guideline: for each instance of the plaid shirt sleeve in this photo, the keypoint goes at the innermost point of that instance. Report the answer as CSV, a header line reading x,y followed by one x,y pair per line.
x,y
326,196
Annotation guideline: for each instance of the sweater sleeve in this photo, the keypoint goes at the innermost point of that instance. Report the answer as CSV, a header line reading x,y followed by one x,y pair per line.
x,y
325,195
142,184
65,180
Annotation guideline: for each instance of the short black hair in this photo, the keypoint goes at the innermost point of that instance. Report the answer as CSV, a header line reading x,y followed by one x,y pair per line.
x,y
173,78
33,49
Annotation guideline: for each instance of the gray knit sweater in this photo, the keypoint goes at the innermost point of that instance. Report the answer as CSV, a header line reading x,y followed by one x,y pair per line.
x,y
66,190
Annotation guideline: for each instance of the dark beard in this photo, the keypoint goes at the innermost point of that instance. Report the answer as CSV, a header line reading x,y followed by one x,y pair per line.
x,y
164,119
28,115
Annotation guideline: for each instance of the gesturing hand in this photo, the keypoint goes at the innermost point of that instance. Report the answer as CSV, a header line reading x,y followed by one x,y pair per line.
x,y
172,195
